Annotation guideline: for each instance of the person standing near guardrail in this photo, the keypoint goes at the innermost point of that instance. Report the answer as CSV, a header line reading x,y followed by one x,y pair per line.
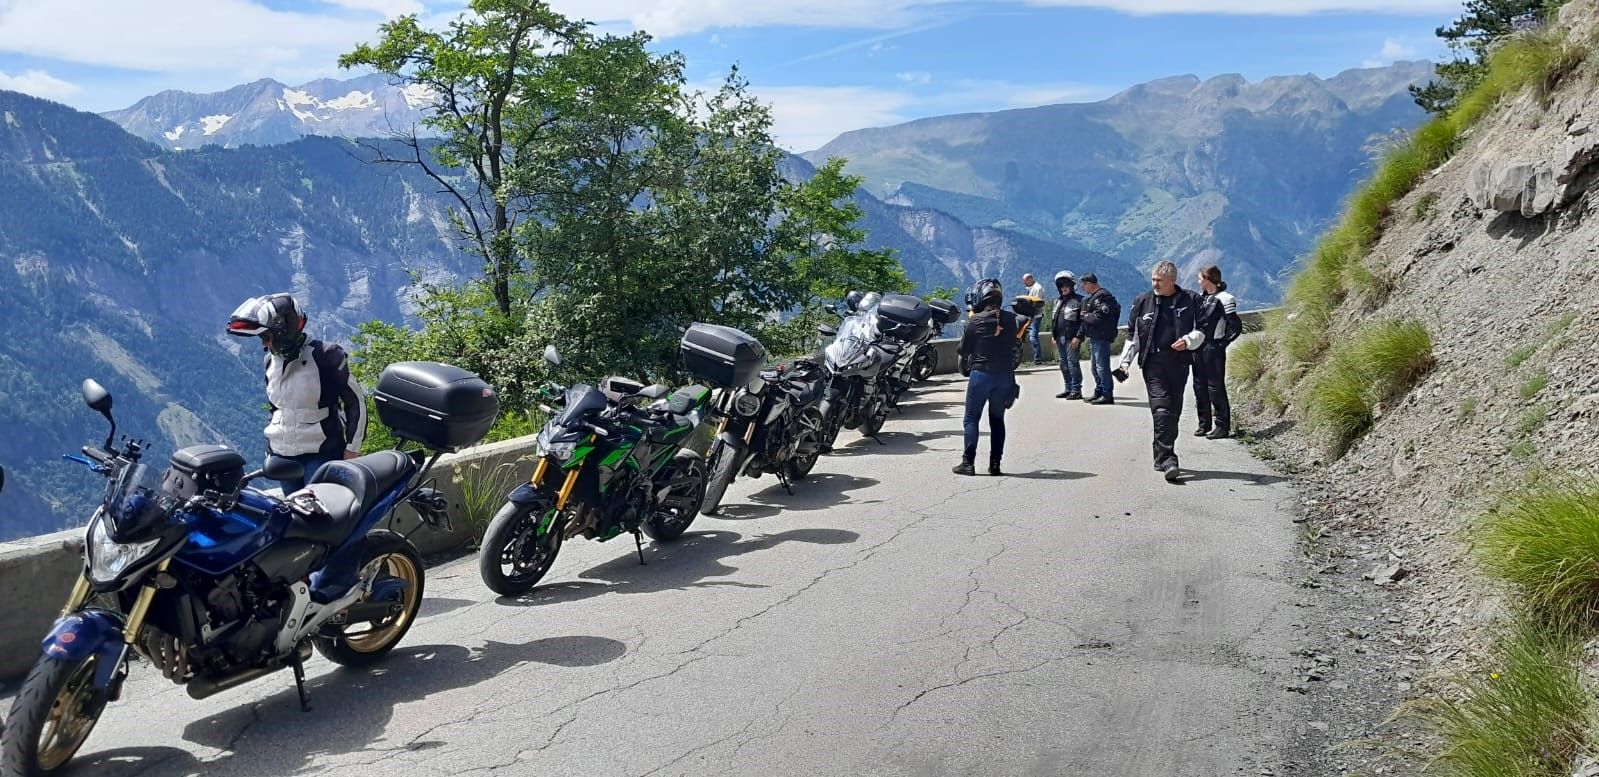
x,y
988,360
1164,330
1100,315
1035,289
1219,312
1065,328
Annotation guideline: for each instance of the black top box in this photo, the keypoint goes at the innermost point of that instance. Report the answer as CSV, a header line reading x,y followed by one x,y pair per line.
x,y
721,355
200,468
903,316
442,407
944,311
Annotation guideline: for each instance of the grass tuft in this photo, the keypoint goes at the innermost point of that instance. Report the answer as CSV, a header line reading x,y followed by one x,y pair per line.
x,y
1532,419
1247,359
1524,711
1468,409
1563,323
1519,356
1425,204
1535,384
1544,542
1377,364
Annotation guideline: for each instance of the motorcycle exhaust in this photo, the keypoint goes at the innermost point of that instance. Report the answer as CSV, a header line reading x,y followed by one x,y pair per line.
x,y
206,687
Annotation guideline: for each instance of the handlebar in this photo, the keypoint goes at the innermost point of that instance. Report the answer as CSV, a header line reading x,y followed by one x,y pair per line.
x,y
100,455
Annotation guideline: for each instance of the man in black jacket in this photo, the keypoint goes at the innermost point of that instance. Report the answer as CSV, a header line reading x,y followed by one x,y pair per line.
x,y
1066,329
1100,312
1163,331
988,359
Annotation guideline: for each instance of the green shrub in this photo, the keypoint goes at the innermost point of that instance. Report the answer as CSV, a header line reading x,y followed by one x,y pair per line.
x,y
1468,409
1519,356
1532,419
483,489
1535,384
1524,711
1377,364
1563,323
1544,542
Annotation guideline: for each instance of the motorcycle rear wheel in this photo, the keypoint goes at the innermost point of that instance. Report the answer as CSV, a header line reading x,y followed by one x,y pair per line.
x,y
925,364
506,545
723,458
53,715
374,640
670,521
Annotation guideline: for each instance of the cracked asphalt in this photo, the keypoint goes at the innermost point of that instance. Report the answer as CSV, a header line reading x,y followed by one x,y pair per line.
x,y
1077,617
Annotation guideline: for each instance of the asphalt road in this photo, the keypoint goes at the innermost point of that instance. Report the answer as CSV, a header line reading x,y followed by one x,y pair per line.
x,y
1077,617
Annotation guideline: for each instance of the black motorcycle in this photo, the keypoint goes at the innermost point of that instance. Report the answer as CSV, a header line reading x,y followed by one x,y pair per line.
x,y
925,362
772,424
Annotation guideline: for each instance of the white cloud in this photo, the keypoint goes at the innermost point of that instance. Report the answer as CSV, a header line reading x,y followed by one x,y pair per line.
x,y
388,8
39,84
920,77
670,18
1392,51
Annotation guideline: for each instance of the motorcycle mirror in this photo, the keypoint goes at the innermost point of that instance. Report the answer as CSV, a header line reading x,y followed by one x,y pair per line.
x,y
96,397
826,329
279,468
551,355
2,478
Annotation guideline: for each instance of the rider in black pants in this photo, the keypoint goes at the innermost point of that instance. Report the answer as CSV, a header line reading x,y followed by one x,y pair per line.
x,y
1163,331
1220,312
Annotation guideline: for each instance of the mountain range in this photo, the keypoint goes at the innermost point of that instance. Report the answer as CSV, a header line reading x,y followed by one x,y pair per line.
x,y
1222,170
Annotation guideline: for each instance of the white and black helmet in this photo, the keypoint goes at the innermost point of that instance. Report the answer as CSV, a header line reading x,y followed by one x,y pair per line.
x,y
277,315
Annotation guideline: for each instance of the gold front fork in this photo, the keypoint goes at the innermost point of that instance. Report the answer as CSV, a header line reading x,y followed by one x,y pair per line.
x,y
141,606
79,595
566,489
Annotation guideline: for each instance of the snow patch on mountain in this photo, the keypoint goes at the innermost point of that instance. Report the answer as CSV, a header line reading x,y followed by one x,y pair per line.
x,y
214,122
353,101
418,95
175,133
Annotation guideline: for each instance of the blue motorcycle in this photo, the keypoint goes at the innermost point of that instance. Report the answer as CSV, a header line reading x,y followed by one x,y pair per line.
x,y
217,584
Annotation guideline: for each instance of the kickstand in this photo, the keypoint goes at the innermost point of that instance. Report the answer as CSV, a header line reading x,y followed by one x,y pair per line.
x,y
298,665
782,478
878,440
638,540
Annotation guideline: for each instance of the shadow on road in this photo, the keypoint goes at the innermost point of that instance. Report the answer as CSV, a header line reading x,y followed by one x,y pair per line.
x,y
896,443
687,563
820,491
350,710
1051,474
439,606
1259,479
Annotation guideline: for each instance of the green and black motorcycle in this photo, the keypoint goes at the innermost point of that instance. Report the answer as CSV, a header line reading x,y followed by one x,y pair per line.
x,y
609,461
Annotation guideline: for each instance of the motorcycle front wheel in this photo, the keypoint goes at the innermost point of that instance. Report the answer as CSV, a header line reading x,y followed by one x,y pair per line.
x,y
808,450
363,644
514,556
54,712
876,415
724,459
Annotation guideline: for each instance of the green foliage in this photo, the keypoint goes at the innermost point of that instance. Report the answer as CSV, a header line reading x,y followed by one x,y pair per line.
x,y
942,292
1247,359
1544,543
1380,362
1532,419
1563,323
483,490
1525,711
1534,384
1473,38
1425,204
1520,355
1468,409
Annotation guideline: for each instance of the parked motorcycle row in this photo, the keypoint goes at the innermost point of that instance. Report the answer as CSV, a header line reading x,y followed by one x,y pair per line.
x,y
216,583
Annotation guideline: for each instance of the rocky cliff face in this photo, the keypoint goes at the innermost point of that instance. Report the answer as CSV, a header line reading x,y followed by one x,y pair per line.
x,y
1496,253
1194,171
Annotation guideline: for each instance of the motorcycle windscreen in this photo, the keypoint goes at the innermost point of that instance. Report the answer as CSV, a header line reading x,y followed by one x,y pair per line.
x,y
582,400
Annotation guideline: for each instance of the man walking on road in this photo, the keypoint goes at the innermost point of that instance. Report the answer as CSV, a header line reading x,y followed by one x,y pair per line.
x,y
1065,328
1035,289
1163,331
1100,315
1222,326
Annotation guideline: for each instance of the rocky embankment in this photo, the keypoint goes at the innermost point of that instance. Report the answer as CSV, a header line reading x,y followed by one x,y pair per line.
x,y
1495,252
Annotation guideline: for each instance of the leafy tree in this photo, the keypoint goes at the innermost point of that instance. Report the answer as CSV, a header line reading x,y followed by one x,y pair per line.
x,y
500,50
1471,37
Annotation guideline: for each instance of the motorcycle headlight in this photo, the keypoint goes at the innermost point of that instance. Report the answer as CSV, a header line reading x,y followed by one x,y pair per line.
x,y
558,449
746,404
108,559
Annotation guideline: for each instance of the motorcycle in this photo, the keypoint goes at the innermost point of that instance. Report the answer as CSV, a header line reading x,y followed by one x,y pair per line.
x,y
855,361
216,584
925,362
772,424
609,460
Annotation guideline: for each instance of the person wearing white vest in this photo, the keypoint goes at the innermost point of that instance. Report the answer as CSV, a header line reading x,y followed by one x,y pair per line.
x,y
1219,311
318,409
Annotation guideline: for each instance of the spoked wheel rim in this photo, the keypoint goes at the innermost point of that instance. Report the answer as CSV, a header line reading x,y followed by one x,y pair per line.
x,y
529,555
72,716
378,635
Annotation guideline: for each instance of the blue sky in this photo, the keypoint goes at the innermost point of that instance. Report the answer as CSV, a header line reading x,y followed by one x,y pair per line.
x,y
825,65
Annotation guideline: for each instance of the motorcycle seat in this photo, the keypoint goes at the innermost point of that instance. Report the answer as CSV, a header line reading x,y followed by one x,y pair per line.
x,y
347,489
804,392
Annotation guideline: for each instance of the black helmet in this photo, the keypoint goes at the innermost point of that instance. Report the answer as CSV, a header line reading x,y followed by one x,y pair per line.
x,y
985,294
852,300
277,315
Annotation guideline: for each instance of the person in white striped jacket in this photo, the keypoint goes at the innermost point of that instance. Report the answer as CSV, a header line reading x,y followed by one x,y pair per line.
x,y
1219,312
